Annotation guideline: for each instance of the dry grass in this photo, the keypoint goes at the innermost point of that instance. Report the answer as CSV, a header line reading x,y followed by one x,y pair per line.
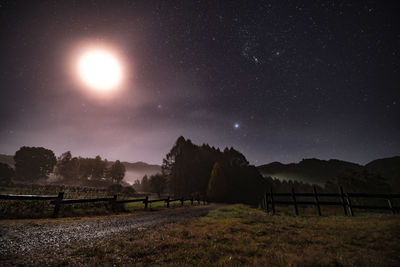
x,y
238,235
133,206
43,209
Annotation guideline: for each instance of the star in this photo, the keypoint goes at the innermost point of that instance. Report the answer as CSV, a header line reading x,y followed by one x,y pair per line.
x,y
255,59
236,125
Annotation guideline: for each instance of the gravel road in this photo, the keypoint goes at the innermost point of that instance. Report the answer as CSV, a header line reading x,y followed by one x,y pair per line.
x,y
22,238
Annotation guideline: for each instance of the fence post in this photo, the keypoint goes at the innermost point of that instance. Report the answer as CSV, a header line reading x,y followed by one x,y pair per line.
x,y
198,200
342,199
191,201
146,202
294,202
263,203
113,203
168,201
272,201
390,205
182,200
57,204
349,205
316,200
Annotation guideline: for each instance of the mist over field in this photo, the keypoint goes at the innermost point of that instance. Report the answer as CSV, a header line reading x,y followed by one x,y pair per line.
x,y
136,171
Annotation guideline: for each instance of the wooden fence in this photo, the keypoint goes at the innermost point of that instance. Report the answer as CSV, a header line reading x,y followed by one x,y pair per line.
x,y
58,200
269,201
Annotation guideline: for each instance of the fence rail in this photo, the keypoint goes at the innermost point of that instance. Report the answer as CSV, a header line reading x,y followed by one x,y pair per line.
x,y
58,200
269,201
28,197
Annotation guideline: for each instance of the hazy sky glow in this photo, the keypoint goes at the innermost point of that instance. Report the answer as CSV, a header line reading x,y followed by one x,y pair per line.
x,y
278,81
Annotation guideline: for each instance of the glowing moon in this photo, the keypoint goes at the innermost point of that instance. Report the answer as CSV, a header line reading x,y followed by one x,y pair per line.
x,y
100,70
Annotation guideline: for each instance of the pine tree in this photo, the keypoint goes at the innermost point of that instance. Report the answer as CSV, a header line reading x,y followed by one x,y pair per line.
x,y
145,184
217,186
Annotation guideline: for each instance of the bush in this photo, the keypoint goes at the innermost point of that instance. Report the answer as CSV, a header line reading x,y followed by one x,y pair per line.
x,y
6,174
115,188
129,191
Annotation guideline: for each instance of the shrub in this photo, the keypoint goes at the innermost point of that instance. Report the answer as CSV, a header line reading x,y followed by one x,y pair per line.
x,y
115,188
129,191
6,174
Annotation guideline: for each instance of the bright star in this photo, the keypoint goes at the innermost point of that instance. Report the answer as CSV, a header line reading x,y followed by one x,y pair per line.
x,y
236,125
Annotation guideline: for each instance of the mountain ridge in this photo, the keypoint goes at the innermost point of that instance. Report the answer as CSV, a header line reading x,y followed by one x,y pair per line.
x,y
316,171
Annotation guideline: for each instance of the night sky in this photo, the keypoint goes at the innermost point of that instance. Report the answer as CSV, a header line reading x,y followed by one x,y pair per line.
x,y
278,80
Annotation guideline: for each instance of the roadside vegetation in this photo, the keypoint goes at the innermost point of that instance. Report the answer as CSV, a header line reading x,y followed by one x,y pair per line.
x,y
239,235
12,209
41,209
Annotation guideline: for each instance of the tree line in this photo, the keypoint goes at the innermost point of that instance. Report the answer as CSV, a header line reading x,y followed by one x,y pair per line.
x,y
33,164
223,176
187,170
91,171
156,183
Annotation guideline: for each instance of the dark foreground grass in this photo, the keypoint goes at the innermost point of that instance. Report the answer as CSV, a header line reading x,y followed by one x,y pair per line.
x,y
238,235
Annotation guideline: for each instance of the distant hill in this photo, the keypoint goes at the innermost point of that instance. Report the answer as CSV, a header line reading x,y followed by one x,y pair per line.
x,y
135,170
388,168
317,171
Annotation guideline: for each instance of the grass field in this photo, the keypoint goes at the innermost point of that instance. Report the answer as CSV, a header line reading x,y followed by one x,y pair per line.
x,y
156,205
239,235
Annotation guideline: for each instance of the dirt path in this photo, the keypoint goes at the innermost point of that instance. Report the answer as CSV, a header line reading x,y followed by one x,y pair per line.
x,y
22,238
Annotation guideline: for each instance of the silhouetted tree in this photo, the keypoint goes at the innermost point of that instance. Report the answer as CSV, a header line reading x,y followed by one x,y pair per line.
x,y
6,174
188,168
217,186
158,183
33,163
68,167
99,167
117,172
85,168
145,184
174,165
